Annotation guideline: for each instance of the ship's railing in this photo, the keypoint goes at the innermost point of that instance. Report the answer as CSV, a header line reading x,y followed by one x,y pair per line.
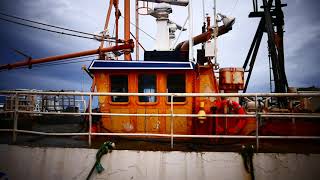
x,y
256,114
31,102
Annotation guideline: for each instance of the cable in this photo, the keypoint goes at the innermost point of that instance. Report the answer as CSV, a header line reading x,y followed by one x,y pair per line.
x,y
138,41
49,25
141,29
66,61
44,29
184,24
58,27
113,32
44,65
60,62
22,24
234,6
203,12
50,65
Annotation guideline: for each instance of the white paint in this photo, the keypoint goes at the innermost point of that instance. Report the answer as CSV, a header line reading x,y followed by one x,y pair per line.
x,y
161,13
209,49
75,163
162,37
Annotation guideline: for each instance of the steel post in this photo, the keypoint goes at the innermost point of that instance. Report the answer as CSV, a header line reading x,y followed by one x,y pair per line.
x,y
257,123
171,120
90,120
15,119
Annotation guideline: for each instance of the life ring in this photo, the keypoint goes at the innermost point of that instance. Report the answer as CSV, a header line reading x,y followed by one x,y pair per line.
x,y
229,125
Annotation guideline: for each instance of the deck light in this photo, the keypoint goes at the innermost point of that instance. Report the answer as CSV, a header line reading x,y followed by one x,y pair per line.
x,y
202,113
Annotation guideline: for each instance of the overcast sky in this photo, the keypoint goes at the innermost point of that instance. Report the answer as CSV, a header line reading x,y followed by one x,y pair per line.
x,y
301,40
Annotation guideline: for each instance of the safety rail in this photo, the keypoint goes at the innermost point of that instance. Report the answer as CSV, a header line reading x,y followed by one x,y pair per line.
x,y
257,115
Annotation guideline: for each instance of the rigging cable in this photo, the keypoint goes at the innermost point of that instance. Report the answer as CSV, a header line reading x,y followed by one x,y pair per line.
x,y
138,41
113,32
49,25
58,27
234,6
66,60
49,65
49,30
62,63
141,30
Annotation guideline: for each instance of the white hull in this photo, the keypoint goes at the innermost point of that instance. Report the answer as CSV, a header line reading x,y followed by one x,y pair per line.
x,y
75,163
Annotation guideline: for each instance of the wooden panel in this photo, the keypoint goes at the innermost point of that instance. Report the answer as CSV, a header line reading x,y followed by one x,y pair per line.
x,y
153,123
121,123
149,124
102,86
180,124
141,121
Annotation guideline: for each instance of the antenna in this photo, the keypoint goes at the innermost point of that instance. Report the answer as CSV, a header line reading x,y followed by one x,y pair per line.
x,y
190,32
137,29
215,33
172,2
203,12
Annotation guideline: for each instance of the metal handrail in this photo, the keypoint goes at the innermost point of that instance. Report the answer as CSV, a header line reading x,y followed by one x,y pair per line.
x,y
313,94
257,115
284,115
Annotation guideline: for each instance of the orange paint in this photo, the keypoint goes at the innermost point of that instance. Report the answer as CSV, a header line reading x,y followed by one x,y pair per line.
x,y
201,80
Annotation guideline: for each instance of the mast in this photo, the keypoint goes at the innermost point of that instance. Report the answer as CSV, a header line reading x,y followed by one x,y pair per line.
x,y
137,30
105,28
127,55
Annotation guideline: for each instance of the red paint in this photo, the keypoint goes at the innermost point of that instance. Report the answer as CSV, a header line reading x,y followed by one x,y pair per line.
x,y
228,125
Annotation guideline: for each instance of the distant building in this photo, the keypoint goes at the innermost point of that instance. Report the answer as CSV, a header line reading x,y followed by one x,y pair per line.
x,y
2,101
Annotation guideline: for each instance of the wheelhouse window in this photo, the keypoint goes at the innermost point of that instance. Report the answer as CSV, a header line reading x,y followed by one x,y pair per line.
x,y
119,84
147,83
176,84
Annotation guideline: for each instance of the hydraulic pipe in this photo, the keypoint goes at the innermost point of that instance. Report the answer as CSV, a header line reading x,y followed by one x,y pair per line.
x,y
129,46
184,46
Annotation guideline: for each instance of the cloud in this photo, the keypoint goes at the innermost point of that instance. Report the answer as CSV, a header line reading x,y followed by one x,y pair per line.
x,y
301,43
301,39
37,79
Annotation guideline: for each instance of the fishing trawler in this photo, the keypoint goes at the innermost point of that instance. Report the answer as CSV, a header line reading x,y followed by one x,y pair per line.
x,y
170,95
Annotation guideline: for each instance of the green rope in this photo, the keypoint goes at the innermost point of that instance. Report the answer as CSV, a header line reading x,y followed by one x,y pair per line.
x,y
104,149
247,153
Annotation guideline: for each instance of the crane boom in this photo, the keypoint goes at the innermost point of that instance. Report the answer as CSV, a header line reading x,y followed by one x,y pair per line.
x,y
127,46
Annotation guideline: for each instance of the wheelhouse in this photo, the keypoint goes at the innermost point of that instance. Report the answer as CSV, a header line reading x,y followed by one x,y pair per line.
x,y
144,77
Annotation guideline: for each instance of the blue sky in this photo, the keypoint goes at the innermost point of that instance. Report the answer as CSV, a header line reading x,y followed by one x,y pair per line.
x,y
301,40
